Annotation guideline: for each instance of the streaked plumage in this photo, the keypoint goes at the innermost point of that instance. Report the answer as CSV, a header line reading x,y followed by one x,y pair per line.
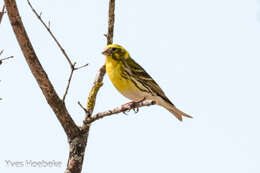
x,y
133,81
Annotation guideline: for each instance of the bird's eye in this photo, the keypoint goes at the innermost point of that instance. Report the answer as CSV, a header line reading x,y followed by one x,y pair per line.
x,y
113,49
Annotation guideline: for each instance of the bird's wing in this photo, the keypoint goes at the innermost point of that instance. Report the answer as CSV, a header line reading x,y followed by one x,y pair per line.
x,y
140,75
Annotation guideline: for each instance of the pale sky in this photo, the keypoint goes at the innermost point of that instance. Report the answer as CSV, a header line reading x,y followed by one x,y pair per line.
x,y
204,54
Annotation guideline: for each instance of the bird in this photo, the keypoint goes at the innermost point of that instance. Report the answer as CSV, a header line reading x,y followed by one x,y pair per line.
x,y
133,82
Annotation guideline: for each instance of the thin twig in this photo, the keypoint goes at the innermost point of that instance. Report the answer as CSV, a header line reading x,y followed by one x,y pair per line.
x,y
2,13
9,57
85,110
52,35
69,80
117,110
72,66
3,59
80,67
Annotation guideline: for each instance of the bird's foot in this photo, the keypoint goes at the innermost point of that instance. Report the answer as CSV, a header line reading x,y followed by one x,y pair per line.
x,y
133,105
124,110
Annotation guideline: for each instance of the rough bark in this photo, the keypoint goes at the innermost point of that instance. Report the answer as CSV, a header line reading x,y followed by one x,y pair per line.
x,y
77,151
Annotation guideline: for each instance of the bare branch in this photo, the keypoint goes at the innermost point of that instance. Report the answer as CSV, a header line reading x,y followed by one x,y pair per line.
x,y
102,71
38,72
69,80
1,52
3,59
117,110
9,57
2,13
111,22
82,107
80,67
52,35
95,88
72,66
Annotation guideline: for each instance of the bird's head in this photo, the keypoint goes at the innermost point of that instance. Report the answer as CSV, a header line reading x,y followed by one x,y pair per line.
x,y
116,52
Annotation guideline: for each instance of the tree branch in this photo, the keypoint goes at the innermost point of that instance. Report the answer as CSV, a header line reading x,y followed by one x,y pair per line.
x,y
84,109
95,88
3,59
102,71
72,66
118,109
77,148
2,13
52,35
111,22
38,72
69,80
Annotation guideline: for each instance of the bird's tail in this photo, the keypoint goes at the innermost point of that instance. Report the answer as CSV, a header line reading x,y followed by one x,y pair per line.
x,y
177,112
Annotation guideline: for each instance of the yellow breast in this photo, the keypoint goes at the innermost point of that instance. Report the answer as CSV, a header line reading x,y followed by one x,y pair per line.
x,y
124,86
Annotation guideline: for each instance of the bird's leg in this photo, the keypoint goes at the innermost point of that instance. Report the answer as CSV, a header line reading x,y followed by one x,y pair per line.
x,y
128,103
133,105
124,109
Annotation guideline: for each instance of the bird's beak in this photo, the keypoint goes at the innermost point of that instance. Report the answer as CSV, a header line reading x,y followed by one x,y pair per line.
x,y
107,52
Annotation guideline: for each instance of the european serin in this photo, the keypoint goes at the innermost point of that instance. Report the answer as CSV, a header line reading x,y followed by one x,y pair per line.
x,y
131,80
